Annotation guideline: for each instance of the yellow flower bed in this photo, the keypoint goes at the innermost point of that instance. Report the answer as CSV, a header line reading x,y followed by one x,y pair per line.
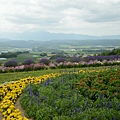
x,y
11,91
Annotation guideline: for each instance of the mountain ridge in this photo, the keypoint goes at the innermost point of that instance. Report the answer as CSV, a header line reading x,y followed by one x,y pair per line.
x,y
45,36
56,43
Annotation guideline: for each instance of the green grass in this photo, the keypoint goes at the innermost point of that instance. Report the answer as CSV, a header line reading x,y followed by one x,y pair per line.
x,y
6,77
22,57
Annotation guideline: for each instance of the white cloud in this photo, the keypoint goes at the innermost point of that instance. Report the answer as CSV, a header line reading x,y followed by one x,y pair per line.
x,y
93,17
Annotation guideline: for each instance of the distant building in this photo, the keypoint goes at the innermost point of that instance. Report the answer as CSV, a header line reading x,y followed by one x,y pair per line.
x,y
4,51
3,58
85,55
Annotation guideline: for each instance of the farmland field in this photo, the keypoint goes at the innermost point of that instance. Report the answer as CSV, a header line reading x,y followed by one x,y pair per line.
x,y
66,48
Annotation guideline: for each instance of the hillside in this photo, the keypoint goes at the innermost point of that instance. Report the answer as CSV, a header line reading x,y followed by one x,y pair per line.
x,y
56,43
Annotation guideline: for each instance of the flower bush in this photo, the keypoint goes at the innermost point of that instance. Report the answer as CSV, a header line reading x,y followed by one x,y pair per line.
x,y
60,60
75,59
28,62
45,61
90,95
19,68
65,64
52,66
39,66
11,63
101,58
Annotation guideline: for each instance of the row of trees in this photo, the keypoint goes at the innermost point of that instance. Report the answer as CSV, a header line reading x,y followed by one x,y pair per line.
x,y
12,54
113,52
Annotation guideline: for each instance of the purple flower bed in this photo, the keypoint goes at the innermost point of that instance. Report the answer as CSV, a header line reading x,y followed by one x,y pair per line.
x,y
28,62
44,63
11,63
101,58
59,60
75,59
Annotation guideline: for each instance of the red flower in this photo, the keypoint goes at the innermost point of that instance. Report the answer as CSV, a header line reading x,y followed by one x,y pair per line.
x,y
98,76
93,88
115,94
115,78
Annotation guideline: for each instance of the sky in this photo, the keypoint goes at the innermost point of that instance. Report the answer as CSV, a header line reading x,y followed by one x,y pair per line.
x,y
88,17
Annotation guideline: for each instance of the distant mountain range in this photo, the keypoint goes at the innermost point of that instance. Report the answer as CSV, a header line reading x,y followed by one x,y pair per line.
x,y
55,44
45,36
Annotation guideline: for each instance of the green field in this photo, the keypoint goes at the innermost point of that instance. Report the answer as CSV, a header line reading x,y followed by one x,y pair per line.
x,y
21,57
6,77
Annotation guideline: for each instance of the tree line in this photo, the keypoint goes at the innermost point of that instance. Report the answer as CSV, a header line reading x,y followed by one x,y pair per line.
x,y
12,54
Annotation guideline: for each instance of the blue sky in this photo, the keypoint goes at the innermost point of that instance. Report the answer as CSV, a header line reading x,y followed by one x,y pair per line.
x,y
89,17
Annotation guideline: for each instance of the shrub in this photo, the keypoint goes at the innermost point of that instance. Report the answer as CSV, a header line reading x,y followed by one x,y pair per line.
x,y
28,62
76,59
52,66
59,60
39,66
11,63
19,68
45,61
28,67
0,63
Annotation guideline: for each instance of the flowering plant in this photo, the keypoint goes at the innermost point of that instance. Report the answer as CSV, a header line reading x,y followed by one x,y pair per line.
x,y
11,63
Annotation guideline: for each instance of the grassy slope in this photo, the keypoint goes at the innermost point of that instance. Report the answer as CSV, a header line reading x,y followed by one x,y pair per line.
x,y
6,77
18,75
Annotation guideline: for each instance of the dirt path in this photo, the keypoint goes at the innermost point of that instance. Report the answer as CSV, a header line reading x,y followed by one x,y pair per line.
x,y
18,106
1,116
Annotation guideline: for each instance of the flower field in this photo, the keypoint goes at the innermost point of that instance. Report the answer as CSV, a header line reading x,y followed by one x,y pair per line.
x,y
77,95
11,91
44,63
